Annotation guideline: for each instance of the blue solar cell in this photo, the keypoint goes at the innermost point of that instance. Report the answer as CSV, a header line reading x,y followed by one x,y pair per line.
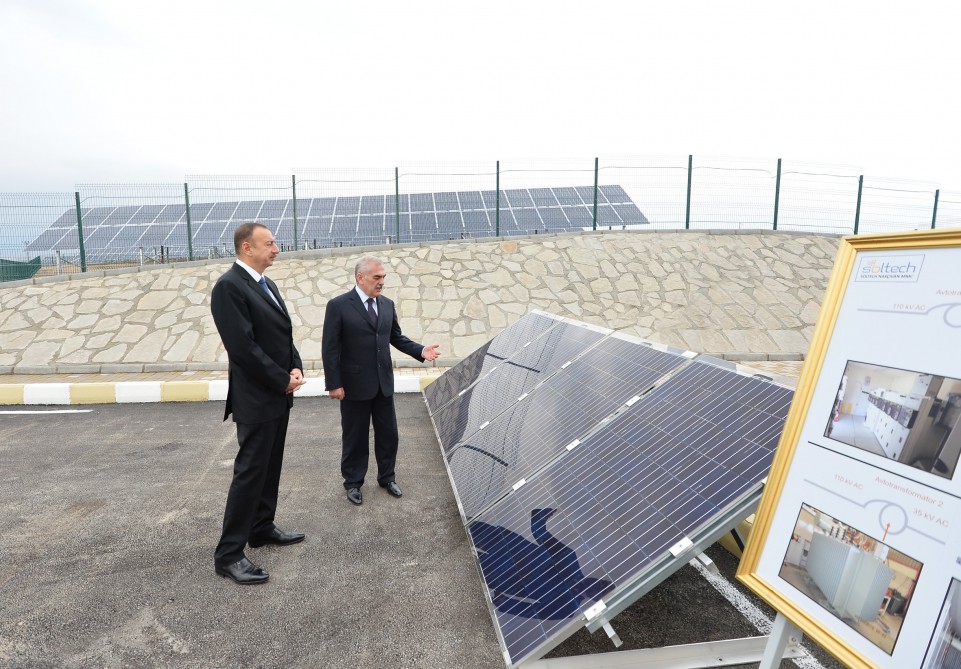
x,y
600,518
567,196
477,221
99,237
273,209
128,236
498,390
247,211
614,194
450,221
370,229
446,202
423,223
347,206
529,434
580,217
517,197
543,197
210,233
69,241
527,220
490,199
630,214
607,215
471,200
49,239
173,213
321,207
145,215
586,193
373,204
67,219
315,231
493,353
221,211
422,202
344,228
554,219
157,234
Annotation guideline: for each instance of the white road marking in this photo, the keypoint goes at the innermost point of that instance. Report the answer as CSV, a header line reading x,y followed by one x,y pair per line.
x,y
23,412
752,613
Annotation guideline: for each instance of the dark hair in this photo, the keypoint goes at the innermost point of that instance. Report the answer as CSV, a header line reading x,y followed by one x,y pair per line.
x,y
244,233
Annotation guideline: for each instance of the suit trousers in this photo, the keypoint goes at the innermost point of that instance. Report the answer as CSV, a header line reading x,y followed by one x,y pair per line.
x,y
356,417
252,498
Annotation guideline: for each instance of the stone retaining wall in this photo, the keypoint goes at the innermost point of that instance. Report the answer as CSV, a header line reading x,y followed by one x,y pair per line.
x,y
743,296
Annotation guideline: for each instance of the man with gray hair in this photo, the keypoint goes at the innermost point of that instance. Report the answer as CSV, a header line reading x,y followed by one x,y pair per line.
x,y
358,327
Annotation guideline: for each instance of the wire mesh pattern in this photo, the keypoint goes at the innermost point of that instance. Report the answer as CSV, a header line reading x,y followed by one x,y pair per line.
x,y
106,225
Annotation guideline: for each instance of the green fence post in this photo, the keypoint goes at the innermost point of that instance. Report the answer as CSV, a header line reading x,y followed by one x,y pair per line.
x,y
777,191
857,212
293,192
190,234
595,193
934,216
397,202
83,254
497,200
690,168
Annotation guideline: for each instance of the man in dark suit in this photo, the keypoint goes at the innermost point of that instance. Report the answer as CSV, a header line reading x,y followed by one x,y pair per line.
x,y
358,327
264,372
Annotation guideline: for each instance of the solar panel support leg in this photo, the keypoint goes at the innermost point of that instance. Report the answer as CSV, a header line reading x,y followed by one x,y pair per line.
x,y
725,653
612,635
782,633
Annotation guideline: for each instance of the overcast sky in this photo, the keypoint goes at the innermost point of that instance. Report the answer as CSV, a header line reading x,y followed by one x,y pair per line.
x,y
123,91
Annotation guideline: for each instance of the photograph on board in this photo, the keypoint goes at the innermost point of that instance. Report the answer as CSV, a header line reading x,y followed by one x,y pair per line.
x,y
944,652
863,582
906,416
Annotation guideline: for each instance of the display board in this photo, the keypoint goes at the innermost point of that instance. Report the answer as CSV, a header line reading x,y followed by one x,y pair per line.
x,y
856,540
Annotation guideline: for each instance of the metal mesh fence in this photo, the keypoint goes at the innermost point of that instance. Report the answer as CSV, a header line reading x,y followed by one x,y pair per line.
x,y
219,204
127,224
32,225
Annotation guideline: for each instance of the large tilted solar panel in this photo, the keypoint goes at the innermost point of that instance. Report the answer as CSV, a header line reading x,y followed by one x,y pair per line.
x,y
115,231
479,363
543,423
500,388
595,523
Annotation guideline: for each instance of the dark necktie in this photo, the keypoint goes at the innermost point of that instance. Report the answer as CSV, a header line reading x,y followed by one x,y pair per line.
x,y
370,310
263,284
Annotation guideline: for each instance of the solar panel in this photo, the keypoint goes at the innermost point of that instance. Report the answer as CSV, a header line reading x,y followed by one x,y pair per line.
x,y
433,216
578,491
554,415
595,523
508,342
517,375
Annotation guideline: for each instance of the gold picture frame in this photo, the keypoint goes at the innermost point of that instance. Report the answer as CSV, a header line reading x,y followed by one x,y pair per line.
x,y
822,629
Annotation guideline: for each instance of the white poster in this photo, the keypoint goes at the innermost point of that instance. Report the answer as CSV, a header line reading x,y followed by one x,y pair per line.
x,y
862,544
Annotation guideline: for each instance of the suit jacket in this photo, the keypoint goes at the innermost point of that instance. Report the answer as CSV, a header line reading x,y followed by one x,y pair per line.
x,y
258,336
355,351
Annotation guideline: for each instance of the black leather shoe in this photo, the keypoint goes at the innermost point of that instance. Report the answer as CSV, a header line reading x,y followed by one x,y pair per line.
x,y
353,494
393,489
276,536
243,572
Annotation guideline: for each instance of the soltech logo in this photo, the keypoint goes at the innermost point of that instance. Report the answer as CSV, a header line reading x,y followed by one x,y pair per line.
x,y
903,269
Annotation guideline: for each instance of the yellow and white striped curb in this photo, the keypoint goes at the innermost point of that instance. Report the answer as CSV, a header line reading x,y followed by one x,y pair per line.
x,y
130,392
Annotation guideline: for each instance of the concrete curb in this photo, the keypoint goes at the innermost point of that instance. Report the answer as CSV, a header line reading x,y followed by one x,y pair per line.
x,y
124,392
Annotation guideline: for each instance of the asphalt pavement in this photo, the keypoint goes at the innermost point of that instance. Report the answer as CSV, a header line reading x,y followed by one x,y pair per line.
x,y
109,515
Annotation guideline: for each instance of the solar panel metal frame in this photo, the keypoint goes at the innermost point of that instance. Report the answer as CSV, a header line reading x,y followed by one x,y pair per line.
x,y
662,566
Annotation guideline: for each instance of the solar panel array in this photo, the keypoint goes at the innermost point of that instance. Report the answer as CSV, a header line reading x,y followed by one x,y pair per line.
x,y
112,232
575,489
